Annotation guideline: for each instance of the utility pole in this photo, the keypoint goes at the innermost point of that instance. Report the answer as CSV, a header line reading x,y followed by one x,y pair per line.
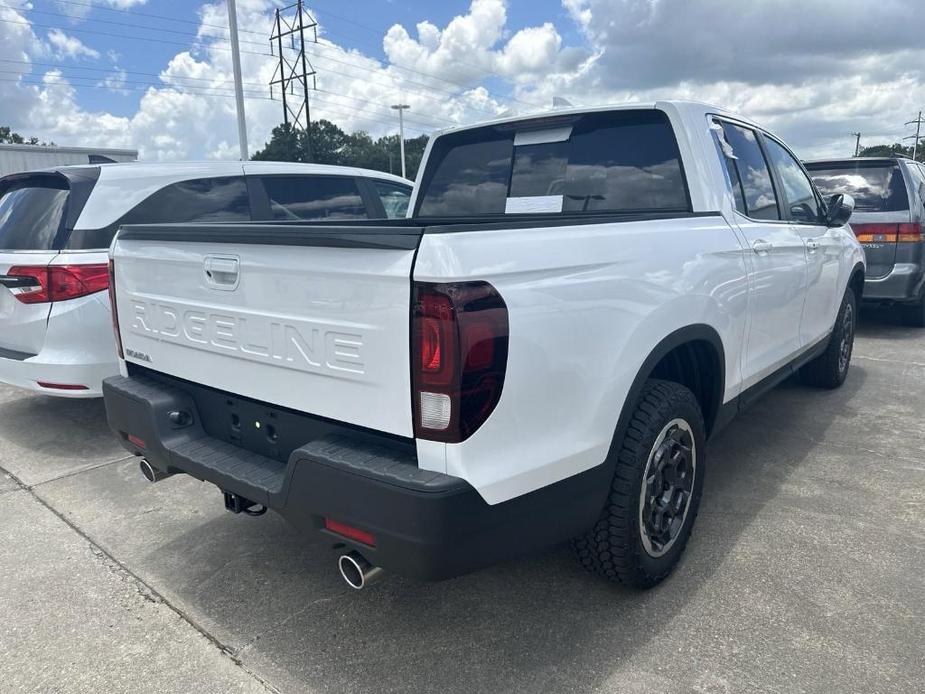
x,y
291,76
918,128
401,133
857,143
238,86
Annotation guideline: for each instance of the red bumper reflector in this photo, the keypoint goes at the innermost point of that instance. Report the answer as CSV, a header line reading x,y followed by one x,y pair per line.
x,y
350,532
62,386
135,441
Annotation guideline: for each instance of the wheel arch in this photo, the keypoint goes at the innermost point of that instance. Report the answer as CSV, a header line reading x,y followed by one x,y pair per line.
x,y
693,356
856,280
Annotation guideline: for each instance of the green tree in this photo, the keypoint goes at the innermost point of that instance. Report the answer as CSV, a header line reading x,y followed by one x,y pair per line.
x,y
329,144
893,150
8,137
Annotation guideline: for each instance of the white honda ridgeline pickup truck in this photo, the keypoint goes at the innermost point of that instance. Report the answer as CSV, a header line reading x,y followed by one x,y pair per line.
x,y
539,353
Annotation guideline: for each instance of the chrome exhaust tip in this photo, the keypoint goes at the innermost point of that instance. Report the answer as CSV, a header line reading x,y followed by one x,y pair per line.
x,y
151,473
356,571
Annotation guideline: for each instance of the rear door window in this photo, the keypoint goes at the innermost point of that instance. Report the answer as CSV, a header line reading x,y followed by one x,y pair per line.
x,y
314,197
197,200
31,216
617,161
875,186
749,170
394,198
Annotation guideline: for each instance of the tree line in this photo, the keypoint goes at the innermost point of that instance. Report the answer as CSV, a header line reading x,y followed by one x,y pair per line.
x,y
326,143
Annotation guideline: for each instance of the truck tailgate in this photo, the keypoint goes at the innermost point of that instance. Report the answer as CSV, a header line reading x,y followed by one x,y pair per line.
x,y
314,318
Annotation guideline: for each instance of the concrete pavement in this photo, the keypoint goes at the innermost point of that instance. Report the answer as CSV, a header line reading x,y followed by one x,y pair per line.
x,y
805,572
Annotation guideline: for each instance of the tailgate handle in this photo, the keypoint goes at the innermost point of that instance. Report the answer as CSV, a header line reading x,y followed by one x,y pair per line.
x,y
221,271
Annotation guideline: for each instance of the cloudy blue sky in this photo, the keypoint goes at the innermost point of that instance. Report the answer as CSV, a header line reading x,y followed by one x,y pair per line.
x,y
156,74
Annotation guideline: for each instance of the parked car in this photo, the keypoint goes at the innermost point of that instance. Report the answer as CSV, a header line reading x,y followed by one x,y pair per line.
x,y
540,352
889,195
56,227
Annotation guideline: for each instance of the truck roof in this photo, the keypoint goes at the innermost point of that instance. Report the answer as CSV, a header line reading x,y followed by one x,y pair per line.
x,y
681,106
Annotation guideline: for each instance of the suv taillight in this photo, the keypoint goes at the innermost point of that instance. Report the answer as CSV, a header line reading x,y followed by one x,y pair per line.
x,y
459,357
58,282
888,233
111,268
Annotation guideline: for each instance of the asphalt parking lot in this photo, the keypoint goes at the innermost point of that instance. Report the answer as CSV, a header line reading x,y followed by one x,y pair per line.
x,y
806,571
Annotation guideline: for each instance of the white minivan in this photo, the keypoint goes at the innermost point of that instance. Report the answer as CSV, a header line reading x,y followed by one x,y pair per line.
x,y
56,226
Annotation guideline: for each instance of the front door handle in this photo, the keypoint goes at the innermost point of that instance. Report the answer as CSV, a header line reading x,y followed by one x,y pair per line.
x,y
761,246
812,245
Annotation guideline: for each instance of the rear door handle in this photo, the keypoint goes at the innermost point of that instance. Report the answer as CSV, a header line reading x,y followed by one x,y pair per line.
x,y
812,245
761,246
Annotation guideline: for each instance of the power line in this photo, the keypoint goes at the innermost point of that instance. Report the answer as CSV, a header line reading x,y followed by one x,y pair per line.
x,y
212,41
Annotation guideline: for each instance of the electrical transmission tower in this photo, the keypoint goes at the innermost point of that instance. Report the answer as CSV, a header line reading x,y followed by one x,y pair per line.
x,y
293,72
918,129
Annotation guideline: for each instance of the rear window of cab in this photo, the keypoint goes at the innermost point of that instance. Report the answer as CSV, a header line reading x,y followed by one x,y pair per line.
x,y
615,161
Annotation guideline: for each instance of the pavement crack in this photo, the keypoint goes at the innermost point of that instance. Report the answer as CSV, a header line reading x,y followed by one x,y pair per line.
x,y
890,361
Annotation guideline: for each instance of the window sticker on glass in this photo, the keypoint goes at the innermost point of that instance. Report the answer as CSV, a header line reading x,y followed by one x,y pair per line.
x,y
533,204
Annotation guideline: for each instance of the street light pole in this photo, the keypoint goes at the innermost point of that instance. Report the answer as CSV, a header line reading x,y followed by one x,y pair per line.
x,y
401,133
238,86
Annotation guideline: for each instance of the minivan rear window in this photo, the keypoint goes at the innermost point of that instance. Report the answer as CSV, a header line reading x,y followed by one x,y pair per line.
x,y
875,186
616,161
31,216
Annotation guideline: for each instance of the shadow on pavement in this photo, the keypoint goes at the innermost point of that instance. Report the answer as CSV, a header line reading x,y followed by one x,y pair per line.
x,y
537,623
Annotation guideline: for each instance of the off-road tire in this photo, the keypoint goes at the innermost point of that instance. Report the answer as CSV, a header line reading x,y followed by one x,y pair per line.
x,y
614,547
830,368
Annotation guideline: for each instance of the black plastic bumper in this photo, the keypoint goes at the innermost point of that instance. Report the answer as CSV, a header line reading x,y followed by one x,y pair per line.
x,y
426,524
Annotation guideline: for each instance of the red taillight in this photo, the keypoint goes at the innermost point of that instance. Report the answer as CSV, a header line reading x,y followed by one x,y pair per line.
x,y
350,532
459,353
888,233
112,307
59,282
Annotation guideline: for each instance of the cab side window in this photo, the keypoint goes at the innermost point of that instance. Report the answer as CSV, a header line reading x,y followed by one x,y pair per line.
x,y
803,205
749,171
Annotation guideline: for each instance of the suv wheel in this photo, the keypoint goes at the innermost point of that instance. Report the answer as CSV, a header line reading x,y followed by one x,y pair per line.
x,y
830,368
655,492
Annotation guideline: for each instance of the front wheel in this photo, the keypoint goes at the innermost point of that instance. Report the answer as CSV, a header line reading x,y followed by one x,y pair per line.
x,y
830,369
655,492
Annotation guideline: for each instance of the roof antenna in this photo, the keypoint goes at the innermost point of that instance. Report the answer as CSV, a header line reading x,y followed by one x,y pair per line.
x,y
561,102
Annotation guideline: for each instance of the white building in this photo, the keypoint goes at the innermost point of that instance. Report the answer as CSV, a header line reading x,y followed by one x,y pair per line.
x,y
14,158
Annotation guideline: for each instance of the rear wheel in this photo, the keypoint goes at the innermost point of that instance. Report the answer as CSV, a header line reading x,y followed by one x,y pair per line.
x,y
914,314
655,492
830,369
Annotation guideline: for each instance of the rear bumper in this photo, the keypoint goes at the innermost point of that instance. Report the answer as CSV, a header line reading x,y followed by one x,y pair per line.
x,y
29,372
426,525
904,283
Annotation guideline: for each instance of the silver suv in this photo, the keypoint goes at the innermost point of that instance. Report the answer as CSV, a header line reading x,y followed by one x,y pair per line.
x,y
889,213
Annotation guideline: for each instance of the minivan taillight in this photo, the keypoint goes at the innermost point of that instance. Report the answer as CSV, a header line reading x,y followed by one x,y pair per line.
x,y
111,271
58,282
888,232
459,357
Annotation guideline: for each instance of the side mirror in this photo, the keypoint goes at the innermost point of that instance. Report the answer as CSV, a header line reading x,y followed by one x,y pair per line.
x,y
838,210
